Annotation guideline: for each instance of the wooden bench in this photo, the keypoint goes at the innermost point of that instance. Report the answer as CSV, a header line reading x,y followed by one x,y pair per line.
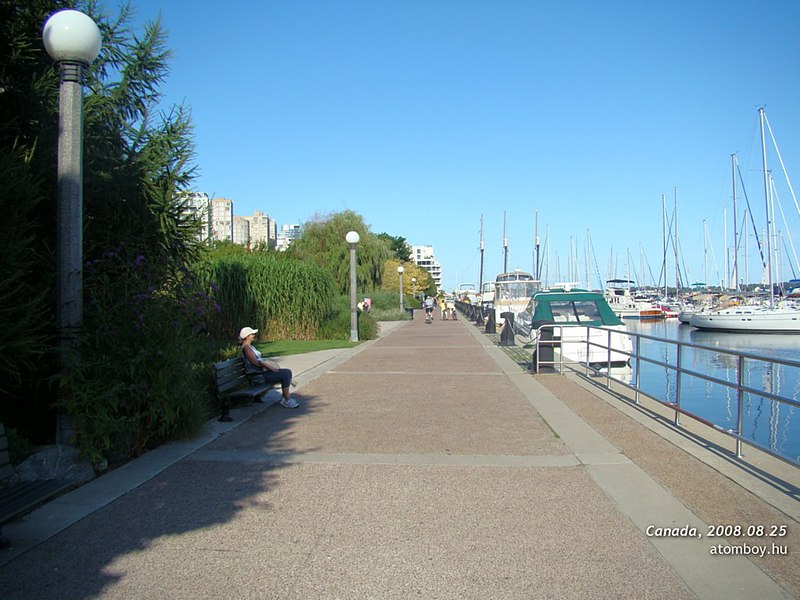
x,y
233,381
16,499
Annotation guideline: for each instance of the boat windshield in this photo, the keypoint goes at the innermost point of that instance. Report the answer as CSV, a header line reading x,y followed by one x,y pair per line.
x,y
578,311
515,290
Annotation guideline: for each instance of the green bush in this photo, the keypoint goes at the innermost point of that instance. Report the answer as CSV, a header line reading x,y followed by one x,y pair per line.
x,y
386,306
389,314
282,297
145,355
337,325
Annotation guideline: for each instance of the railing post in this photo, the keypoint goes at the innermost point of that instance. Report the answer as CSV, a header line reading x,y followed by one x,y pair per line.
x,y
678,387
588,348
608,359
739,404
638,373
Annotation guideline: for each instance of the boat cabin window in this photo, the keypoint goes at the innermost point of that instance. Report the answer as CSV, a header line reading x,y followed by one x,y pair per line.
x,y
580,311
515,290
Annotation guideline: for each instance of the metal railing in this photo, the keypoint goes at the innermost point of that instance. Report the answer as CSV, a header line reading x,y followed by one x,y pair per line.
x,y
637,360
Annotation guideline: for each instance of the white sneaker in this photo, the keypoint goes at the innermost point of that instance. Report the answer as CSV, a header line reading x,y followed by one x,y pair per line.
x,y
290,403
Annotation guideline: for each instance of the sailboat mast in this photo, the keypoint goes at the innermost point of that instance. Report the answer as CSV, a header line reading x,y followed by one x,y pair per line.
x,y
675,246
480,277
664,225
725,246
735,229
767,203
505,245
705,252
536,263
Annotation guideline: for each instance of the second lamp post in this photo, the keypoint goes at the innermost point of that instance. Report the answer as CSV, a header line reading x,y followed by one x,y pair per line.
x,y
352,239
400,270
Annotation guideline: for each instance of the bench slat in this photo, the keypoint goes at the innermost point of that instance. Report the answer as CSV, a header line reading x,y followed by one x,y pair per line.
x,y
20,498
233,381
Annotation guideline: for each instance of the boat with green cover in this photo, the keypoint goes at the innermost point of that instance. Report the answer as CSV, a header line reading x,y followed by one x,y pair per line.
x,y
568,318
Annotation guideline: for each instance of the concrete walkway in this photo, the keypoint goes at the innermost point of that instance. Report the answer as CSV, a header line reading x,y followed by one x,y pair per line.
x,y
427,464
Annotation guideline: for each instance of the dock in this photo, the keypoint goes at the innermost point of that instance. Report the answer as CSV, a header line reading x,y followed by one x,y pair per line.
x,y
427,463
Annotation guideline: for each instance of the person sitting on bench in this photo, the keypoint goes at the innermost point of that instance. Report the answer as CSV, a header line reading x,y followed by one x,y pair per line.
x,y
254,363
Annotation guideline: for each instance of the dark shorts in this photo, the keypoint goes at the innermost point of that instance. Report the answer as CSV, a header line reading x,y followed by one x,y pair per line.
x,y
429,309
282,376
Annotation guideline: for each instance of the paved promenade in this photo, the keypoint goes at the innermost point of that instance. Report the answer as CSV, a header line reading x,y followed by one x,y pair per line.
x,y
424,464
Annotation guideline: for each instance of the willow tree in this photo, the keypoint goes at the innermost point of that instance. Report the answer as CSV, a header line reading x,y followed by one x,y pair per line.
x,y
323,244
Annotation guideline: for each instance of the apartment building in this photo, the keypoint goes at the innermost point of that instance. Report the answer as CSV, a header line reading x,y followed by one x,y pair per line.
x,y
241,231
222,219
424,257
218,223
263,230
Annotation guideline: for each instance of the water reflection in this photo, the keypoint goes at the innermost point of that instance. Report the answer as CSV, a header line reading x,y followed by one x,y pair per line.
x,y
765,422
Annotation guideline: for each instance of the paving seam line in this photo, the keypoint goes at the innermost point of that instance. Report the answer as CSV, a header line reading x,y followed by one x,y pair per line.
x,y
776,495
64,511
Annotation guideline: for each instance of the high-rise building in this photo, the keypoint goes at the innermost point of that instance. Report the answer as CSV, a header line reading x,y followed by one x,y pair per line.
x,y
222,219
262,229
218,223
424,258
241,231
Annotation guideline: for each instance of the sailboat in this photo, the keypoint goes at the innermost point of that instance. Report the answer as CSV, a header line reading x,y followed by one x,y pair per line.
x,y
783,317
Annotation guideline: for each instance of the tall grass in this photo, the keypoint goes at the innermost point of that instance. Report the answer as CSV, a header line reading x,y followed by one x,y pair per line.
x,y
282,297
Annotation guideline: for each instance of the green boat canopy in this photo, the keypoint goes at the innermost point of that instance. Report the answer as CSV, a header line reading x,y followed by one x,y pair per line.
x,y
575,306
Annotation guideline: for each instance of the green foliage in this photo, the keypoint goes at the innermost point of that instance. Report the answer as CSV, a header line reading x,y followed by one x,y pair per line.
x,y
391,279
27,232
390,314
401,251
337,325
145,353
323,244
23,299
282,297
19,448
137,381
386,306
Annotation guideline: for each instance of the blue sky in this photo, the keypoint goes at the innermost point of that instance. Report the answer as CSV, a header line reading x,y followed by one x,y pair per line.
x,y
424,115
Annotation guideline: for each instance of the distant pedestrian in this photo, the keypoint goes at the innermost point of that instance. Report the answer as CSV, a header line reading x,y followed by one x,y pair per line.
x,y
428,309
272,373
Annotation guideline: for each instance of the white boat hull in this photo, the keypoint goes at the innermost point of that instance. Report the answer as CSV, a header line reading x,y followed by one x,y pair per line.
x,y
746,318
573,347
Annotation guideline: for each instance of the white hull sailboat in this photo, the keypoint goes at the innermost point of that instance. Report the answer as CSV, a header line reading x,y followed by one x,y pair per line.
x,y
762,319
768,318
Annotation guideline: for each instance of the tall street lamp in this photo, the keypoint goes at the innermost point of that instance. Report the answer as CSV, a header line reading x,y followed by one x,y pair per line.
x,y
414,287
73,41
352,239
400,270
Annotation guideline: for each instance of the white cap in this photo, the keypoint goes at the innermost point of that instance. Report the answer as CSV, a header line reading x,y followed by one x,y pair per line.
x,y
246,331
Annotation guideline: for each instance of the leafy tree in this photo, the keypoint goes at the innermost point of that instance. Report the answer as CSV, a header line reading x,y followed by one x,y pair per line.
x,y
27,231
322,243
141,299
391,278
398,245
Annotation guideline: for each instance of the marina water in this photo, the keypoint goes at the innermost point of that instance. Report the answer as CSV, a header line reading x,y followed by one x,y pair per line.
x,y
767,423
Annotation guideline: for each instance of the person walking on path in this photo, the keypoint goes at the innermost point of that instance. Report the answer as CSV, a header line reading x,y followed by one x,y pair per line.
x,y
272,373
